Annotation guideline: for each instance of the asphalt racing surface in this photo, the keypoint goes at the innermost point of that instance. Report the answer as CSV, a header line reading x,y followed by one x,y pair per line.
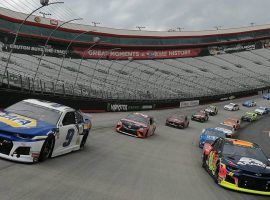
x,y
113,166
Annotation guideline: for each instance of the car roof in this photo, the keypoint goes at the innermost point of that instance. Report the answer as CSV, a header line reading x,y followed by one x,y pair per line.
x,y
49,105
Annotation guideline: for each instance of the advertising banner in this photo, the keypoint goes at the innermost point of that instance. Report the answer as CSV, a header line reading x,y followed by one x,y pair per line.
x,y
114,107
185,104
136,54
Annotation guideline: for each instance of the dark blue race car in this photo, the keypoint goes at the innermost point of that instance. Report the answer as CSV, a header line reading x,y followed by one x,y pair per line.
x,y
266,96
209,135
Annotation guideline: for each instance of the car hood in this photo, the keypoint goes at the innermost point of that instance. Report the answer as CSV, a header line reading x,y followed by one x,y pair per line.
x,y
209,110
248,164
14,123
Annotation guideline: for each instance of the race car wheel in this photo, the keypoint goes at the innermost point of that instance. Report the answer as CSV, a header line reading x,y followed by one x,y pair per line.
x,y
217,174
47,148
204,161
84,139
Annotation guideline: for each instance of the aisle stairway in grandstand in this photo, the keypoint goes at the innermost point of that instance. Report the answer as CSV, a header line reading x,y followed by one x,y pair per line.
x,y
164,78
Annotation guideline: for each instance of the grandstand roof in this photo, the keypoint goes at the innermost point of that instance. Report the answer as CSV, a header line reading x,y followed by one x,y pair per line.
x,y
12,15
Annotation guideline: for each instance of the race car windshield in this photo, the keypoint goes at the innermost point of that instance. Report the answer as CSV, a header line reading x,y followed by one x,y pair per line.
x,y
249,152
178,116
36,112
226,127
214,133
137,118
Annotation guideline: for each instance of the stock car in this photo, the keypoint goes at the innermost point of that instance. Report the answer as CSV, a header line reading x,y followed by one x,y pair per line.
x,y
200,116
249,117
233,122
249,103
262,110
178,121
232,107
237,165
209,135
266,96
229,131
211,110
34,130
137,125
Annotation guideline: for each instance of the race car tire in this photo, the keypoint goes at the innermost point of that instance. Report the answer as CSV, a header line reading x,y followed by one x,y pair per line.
x,y
216,173
204,162
47,148
84,139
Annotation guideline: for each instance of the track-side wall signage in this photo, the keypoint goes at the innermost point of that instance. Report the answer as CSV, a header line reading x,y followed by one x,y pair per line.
x,y
185,104
139,54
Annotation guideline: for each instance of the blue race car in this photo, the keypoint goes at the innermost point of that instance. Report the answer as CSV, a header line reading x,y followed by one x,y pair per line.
x,y
249,103
209,135
266,96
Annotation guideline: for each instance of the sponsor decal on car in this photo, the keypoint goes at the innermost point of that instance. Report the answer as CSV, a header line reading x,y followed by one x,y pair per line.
x,y
250,161
17,121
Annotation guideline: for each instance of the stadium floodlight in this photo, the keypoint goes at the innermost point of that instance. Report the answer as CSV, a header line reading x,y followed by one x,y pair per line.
x,y
47,41
140,27
180,29
45,14
95,23
217,27
43,4
102,56
96,40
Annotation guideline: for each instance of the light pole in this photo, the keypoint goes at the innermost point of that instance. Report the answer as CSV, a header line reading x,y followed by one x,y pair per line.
x,y
66,51
43,4
102,56
96,41
46,43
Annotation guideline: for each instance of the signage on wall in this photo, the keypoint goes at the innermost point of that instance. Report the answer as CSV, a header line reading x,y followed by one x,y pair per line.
x,y
54,22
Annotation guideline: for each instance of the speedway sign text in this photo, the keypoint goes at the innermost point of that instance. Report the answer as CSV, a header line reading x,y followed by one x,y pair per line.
x,y
137,54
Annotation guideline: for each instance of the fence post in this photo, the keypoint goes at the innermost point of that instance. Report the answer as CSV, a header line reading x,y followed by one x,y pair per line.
x,y
33,85
41,88
21,82
53,88
8,77
64,91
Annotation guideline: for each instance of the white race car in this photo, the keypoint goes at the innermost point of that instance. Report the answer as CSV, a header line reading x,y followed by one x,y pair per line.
x,y
232,107
34,130
262,110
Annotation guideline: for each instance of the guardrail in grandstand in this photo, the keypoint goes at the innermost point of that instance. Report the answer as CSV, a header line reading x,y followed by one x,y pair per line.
x,y
29,84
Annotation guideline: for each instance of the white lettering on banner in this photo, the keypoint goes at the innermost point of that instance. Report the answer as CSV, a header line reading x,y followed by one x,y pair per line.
x,y
184,104
146,107
117,107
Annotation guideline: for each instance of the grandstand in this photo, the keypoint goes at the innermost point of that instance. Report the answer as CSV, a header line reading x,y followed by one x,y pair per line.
x,y
191,76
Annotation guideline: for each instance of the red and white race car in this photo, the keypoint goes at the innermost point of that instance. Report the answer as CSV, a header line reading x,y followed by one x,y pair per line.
x,y
137,125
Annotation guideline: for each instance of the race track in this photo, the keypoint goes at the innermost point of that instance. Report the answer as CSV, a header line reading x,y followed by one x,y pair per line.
x,y
113,166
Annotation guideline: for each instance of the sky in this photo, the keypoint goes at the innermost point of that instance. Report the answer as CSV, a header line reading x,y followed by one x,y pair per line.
x,y
163,14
